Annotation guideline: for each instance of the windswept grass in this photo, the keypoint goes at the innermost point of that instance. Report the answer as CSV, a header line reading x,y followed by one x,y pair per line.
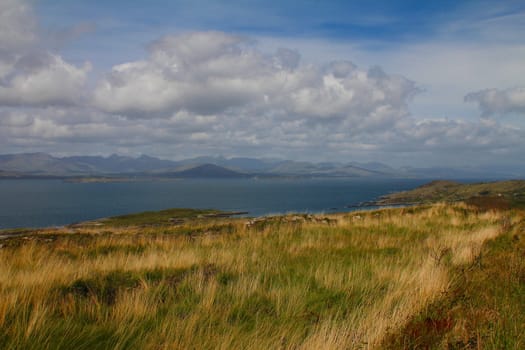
x,y
290,283
485,306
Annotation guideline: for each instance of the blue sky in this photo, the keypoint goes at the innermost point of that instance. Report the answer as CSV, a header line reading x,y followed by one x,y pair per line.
x,y
431,82
382,21
373,32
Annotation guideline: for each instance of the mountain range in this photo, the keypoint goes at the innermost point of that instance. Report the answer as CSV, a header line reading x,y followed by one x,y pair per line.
x,y
46,165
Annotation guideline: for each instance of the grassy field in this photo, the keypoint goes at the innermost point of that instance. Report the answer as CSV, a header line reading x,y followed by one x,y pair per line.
x,y
372,279
500,194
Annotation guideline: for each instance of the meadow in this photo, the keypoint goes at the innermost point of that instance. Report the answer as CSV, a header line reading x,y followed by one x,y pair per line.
x,y
362,280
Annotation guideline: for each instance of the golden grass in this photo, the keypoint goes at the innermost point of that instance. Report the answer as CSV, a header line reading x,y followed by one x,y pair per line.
x,y
340,284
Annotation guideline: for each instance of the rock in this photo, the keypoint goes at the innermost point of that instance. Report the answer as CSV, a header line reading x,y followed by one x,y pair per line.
x,y
252,222
296,219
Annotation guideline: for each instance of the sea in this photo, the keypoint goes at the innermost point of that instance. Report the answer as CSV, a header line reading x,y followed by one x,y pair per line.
x,y
43,203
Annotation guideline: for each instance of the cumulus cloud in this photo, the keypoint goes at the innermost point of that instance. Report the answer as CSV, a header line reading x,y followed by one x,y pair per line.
x,y
217,92
495,101
42,78
29,74
217,73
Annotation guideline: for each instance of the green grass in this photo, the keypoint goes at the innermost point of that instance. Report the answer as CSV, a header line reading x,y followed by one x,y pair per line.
x,y
485,307
486,195
204,284
156,217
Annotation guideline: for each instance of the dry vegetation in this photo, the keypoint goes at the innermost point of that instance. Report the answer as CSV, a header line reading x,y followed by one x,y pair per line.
x,y
500,194
348,281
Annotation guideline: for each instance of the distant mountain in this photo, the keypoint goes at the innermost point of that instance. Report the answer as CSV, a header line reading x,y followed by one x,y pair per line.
x,y
40,164
321,169
250,164
45,165
291,167
206,171
375,166
242,164
120,164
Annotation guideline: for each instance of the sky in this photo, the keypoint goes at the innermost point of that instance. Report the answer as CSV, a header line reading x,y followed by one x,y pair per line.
x,y
419,83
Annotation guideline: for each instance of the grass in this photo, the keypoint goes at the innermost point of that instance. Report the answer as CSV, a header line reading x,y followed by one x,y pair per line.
x,y
357,280
156,217
500,194
485,306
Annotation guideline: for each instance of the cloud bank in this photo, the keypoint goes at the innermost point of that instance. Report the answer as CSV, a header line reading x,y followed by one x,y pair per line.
x,y
212,73
214,93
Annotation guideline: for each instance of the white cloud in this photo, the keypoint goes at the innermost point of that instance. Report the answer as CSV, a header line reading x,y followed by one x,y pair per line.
x,y
42,78
495,101
217,73
447,68
29,74
83,130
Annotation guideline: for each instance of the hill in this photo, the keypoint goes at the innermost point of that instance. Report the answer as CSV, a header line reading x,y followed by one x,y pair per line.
x,y
501,193
45,164
205,171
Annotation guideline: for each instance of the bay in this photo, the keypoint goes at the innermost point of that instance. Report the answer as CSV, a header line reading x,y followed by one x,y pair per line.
x,y
41,203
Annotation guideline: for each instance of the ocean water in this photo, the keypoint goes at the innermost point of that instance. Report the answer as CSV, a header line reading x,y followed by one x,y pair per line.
x,y
39,203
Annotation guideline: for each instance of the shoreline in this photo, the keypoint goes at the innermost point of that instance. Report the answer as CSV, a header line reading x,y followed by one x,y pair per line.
x,y
500,193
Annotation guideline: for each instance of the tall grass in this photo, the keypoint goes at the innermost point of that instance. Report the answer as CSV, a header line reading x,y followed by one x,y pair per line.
x,y
281,284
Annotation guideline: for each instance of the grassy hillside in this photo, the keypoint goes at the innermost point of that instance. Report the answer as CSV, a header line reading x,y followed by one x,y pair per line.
x,y
354,280
503,194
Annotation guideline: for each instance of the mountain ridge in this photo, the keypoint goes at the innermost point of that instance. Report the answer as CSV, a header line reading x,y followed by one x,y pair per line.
x,y
41,164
